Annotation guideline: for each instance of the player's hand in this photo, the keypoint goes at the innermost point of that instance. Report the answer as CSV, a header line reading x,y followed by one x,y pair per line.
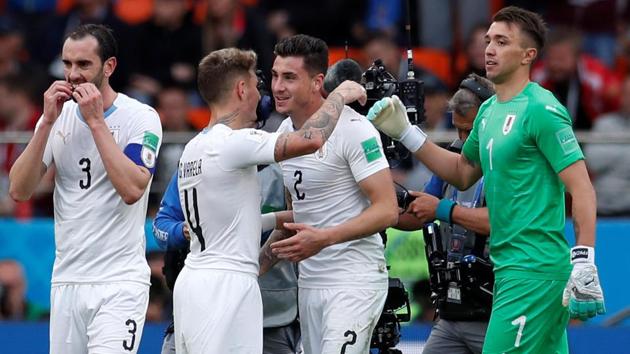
x,y
57,94
389,115
583,293
307,242
423,207
90,102
186,231
351,91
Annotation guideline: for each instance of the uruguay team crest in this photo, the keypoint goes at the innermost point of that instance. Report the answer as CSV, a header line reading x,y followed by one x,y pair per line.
x,y
509,122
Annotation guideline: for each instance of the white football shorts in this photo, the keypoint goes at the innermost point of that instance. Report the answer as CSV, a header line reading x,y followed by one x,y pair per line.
x,y
217,311
97,318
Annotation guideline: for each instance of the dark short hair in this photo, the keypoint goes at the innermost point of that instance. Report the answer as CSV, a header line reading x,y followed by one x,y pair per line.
x,y
107,46
217,71
531,23
465,98
313,50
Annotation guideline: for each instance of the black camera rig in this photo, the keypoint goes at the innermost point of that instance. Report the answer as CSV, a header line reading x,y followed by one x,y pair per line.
x,y
386,334
379,83
470,277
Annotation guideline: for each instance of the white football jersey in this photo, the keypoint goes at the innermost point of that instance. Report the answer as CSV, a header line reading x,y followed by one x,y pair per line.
x,y
325,192
220,196
98,237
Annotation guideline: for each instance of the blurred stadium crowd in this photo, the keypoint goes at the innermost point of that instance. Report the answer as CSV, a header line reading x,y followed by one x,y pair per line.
x,y
586,64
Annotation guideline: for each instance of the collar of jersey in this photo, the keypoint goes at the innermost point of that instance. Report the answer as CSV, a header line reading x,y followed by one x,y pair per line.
x,y
106,114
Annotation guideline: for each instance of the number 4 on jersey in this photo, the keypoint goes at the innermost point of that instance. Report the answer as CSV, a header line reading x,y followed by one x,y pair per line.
x,y
195,228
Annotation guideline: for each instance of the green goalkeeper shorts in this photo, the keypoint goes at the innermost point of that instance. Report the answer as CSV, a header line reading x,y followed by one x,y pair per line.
x,y
527,317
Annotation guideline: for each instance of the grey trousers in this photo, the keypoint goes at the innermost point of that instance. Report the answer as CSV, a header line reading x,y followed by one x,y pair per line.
x,y
276,340
456,337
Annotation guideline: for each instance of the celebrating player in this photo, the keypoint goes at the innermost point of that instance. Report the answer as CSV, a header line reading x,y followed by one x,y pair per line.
x,y
103,148
523,143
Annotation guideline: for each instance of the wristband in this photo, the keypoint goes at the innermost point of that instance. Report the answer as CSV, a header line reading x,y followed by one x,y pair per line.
x,y
444,210
413,138
582,254
268,221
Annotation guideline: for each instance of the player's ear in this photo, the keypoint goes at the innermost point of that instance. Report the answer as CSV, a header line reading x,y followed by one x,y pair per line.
x,y
109,66
318,82
240,89
529,56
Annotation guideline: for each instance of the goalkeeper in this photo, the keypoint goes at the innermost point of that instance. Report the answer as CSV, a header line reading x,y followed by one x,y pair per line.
x,y
523,143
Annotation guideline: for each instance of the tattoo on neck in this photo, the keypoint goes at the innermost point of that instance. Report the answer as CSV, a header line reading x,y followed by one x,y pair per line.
x,y
228,118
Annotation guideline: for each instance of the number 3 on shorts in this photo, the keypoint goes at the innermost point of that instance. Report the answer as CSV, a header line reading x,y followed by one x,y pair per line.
x,y
520,321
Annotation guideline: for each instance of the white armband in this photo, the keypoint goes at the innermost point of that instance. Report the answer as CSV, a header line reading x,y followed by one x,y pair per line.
x,y
268,221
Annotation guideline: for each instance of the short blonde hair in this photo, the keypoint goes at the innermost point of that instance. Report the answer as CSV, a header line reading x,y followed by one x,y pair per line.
x,y
218,70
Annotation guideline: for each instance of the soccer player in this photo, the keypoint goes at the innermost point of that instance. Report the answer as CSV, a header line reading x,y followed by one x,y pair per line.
x,y
217,302
463,314
342,196
103,148
523,143
281,333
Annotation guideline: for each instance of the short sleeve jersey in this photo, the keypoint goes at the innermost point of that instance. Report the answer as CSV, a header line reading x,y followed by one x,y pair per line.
x,y
220,196
99,238
325,192
522,145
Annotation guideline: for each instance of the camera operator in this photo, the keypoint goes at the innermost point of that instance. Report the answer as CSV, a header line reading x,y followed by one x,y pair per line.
x,y
463,310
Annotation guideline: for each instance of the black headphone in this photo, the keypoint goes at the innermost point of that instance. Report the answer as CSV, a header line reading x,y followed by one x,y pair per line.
x,y
482,92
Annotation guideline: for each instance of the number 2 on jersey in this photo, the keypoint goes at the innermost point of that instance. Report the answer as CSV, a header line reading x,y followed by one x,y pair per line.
x,y
298,180
195,228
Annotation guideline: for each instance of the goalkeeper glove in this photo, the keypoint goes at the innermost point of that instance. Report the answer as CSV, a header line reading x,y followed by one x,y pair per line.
x,y
583,294
389,115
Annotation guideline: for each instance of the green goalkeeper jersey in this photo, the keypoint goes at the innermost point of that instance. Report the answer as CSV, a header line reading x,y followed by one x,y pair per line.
x,y
522,145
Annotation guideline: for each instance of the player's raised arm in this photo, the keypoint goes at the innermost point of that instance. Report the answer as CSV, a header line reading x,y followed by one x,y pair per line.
x,y
30,166
318,128
128,177
389,116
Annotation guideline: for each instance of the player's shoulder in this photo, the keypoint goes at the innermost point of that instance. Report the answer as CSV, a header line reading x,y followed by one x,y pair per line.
x,y
286,126
354,121
540,100
134,107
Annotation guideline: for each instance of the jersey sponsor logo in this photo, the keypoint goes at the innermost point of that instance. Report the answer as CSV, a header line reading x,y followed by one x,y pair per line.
x,y
567,141
508,123
371,150
150,144
64,137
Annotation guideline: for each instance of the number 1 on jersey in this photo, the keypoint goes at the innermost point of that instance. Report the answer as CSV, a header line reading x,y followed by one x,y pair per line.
x,y
520,321
195,228
489,147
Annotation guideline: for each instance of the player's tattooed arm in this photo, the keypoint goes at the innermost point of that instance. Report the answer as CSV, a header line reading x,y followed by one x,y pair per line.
x,y
266,258
314,133
319,127
325,119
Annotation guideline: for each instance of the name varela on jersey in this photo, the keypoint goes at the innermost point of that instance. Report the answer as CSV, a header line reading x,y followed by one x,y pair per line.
x,y
189,168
